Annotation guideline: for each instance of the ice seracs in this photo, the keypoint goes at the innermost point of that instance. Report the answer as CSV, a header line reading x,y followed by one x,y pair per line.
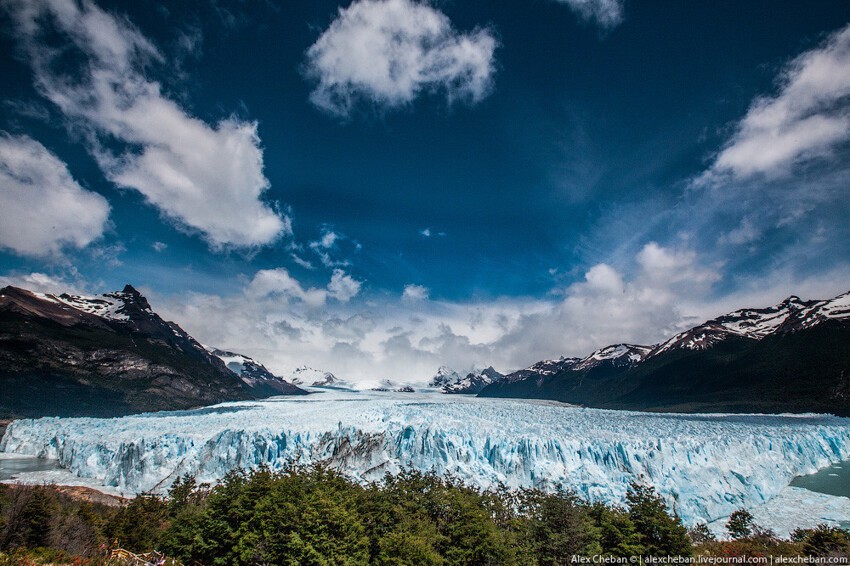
x,y
705,466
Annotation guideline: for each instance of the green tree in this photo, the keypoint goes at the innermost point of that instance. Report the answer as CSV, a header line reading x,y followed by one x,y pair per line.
x,y
660,533
559,526
824,540
740,524
617,533
28,516
138,525
700,534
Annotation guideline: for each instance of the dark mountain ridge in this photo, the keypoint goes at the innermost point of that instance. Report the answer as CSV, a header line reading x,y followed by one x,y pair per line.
x,y
792,357
68,355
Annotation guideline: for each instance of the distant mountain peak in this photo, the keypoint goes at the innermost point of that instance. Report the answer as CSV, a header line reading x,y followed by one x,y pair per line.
x,y
131,293
735,362
450,381
254,374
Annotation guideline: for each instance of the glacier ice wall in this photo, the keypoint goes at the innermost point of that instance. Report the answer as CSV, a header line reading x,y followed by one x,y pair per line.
x,y
705,466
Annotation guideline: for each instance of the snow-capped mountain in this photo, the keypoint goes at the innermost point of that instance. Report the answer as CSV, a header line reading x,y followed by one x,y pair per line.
x,y
390,385
450,381
543,368
618,355
102,355
255,374
791,315
306,376
793,356
112,306
444,376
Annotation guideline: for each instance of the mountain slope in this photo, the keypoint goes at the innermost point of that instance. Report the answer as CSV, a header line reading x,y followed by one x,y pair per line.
x,y
449,381
792,357
102,356
255,375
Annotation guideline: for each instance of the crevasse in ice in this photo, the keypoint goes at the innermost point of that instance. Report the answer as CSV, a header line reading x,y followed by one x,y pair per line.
x,y
705,466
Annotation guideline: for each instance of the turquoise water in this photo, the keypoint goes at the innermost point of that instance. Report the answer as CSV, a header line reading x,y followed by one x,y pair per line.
x,y
12,467
834,480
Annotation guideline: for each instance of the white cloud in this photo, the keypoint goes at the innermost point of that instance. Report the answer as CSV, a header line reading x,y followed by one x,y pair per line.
x,y
342,286
327,241
159,246
41,283
279,284
426,232
302,262
745,233
325,245
43,208
205,178
407,336
805,120
414,293
388,52
666,266
607,13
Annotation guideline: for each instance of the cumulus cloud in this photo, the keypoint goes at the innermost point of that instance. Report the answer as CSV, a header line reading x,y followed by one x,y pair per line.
x,y
388,52
43,208
279,284
375,336
205,178
805,120
413,293
606,13
342,286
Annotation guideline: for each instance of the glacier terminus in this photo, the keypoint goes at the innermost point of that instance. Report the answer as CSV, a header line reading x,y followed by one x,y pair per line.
x,y
705,465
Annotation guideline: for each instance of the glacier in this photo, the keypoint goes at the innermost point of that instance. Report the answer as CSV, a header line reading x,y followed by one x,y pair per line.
x,y
704,465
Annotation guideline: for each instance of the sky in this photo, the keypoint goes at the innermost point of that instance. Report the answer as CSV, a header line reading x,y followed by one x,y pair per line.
x,y
380,187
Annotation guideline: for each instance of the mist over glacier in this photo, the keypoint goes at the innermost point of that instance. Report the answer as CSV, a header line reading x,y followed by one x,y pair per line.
x,y
705,466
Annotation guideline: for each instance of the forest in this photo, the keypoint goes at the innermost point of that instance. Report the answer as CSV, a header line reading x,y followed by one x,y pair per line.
x,y
315,516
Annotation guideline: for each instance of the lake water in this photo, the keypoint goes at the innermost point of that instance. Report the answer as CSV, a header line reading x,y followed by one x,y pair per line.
x,y
834,480
11,467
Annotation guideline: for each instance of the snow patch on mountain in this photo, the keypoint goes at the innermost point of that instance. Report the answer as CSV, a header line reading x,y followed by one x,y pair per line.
x,y
618,355
305,375
110,305
387,385
450,381
790,315
444,376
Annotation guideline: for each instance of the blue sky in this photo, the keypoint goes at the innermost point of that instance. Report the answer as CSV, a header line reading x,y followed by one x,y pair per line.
x,y
378,187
